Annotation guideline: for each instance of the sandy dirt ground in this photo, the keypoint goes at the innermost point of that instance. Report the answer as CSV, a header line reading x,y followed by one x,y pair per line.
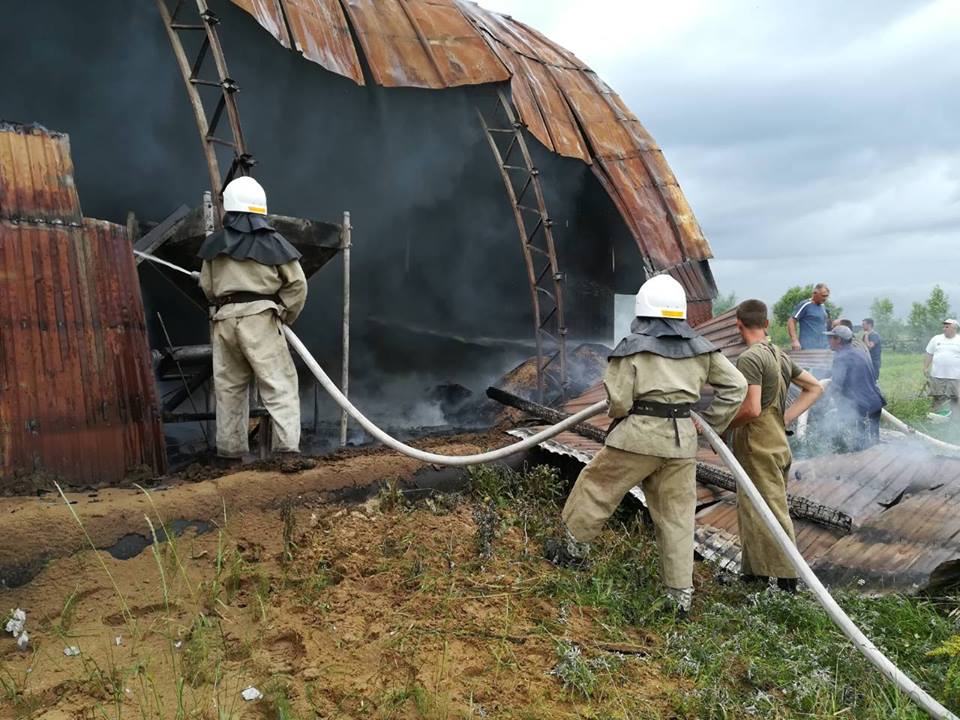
x,y
37,529
329,609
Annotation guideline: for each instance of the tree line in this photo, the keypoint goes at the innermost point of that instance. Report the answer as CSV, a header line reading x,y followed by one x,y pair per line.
x,y
902,334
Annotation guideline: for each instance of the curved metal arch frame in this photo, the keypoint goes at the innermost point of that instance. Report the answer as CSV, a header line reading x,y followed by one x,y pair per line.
x,y
227,88
537,244
507,142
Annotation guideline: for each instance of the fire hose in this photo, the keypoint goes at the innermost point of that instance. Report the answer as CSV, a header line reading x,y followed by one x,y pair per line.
x,y
833,610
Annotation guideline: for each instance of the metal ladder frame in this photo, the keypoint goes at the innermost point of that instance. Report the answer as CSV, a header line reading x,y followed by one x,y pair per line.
x,y
206,22
504,133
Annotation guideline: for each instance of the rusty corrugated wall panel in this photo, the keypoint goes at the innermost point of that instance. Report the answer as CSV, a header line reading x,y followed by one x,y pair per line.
x,y
904,503
37,182
77,397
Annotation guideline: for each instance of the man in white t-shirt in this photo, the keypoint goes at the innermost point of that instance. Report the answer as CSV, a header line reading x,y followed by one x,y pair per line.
x,y
942,364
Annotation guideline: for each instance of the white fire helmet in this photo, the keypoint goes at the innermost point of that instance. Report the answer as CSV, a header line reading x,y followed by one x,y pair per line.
x,y
662,297
244,194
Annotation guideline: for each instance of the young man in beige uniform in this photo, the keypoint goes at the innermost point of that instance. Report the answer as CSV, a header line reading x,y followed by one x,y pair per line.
x,y
252,277
653,379
760,442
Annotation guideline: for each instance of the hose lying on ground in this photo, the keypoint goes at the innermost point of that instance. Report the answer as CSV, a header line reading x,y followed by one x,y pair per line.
x,y
834,611
942,447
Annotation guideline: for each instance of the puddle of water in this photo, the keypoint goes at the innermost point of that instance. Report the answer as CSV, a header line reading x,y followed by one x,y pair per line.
x,y
132,544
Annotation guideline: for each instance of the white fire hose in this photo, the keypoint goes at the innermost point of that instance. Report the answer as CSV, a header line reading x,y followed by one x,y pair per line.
x,y
428,457
834,611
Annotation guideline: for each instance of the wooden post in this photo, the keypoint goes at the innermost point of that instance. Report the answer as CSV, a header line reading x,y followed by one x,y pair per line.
x,y
345,238
209,225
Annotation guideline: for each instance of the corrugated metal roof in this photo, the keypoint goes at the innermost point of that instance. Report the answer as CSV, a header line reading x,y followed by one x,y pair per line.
x,y
412,43
75,376
904,503
322,35
445,43
270,15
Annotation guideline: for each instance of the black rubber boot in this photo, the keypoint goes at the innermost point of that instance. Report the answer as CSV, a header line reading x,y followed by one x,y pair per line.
x,y
293,462
556,551
755,580
227,463
788,585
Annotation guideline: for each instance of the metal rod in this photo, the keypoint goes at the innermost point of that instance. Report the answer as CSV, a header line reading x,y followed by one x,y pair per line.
x,y
209,227
183,377
345,378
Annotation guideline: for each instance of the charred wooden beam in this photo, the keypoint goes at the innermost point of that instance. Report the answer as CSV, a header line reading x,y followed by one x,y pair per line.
x,y
171,417
800,508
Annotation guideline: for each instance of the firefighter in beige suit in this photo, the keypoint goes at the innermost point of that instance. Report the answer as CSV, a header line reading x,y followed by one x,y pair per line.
x,y
252,277
653,379
760,443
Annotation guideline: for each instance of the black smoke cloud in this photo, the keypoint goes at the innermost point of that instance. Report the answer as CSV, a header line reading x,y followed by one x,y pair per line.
x,y
437,270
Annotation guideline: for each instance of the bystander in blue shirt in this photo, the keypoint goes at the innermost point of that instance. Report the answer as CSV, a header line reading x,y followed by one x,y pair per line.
x,y
812,320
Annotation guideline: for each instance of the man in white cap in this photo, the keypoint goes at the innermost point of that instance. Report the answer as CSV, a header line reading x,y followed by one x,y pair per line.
x,y
252,276
654,377
941,362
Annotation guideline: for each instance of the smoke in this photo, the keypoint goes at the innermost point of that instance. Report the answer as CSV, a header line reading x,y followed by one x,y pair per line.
x,y
437,266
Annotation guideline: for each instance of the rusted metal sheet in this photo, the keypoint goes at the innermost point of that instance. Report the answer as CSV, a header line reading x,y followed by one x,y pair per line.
x,y
444,43
77,398
410,43
904,503
270,16
523,39
36,176
322,35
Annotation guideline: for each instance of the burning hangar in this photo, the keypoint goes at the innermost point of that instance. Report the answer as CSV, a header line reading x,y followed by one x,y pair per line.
x,y
448,132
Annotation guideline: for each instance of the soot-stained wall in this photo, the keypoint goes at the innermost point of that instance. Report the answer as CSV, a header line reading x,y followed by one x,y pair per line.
x,y
439,286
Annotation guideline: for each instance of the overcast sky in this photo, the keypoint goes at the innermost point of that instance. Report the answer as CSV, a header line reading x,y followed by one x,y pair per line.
x,y
816,140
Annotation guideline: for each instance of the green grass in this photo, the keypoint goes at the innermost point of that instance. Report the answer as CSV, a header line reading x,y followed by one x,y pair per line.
x,y
750,653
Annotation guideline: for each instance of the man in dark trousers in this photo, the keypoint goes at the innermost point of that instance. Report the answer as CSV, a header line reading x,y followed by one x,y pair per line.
x,y
853,389
871,338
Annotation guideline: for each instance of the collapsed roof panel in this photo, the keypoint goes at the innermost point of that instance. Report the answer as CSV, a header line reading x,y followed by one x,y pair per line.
x,y
322,35
270,15
445,43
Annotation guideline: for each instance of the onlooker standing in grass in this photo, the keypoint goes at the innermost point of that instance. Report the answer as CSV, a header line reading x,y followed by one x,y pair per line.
x,y
942,364
871,338
809,321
